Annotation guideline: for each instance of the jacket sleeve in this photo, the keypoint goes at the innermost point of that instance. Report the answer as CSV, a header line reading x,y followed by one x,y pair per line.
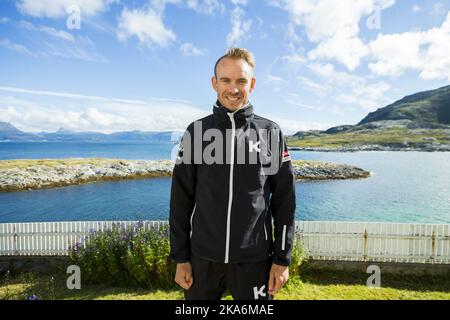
x,y
282,206
182,202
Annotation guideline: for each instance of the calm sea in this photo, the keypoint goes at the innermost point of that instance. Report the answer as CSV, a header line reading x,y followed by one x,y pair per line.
x,y
404,187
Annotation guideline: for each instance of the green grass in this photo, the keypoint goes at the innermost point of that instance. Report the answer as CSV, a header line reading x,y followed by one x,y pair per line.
x,y
311,285
381,137
52,163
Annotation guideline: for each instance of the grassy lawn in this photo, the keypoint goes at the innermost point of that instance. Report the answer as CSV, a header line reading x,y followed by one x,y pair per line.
x,y
381,137
52,163
312,285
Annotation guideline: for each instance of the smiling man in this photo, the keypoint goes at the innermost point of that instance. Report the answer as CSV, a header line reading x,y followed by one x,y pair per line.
x,y
232,221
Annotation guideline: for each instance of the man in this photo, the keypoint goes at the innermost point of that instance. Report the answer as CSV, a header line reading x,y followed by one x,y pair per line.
x,y
233,175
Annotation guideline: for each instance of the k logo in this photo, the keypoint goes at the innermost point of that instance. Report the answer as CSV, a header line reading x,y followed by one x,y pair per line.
x,y
259,292
252,146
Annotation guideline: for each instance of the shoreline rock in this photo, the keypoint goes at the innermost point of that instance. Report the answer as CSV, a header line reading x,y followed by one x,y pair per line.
x,y
321,170
429,147
51,174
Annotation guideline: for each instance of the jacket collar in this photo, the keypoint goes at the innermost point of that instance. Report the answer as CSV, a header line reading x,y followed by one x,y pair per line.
x,y
241,116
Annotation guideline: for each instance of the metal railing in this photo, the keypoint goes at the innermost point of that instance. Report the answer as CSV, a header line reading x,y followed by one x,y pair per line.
x,y
322,240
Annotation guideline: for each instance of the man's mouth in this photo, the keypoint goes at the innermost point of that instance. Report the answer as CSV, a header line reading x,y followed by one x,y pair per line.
x,y
233,99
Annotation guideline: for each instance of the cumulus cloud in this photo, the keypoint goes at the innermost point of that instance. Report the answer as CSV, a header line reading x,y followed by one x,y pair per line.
x,y
423,51
352,89
333,26
57,8
208,7
147,26
240,27
34,111
188,49
416,8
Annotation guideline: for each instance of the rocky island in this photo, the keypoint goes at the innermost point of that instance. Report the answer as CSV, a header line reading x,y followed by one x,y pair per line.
x,y
22,175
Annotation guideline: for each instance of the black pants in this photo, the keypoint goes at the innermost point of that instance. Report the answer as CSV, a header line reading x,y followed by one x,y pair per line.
x,y
246,281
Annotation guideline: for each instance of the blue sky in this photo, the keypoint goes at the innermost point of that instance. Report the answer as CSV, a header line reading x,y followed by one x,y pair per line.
x,y
146,64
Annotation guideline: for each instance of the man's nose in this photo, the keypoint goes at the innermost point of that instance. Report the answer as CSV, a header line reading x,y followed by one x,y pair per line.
x,y
233,89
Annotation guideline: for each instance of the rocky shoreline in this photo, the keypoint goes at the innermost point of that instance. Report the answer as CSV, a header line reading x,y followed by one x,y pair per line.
x,y
25,175
376,147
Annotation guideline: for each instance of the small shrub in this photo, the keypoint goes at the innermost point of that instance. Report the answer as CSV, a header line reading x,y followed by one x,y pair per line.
x,y
126,256
299,257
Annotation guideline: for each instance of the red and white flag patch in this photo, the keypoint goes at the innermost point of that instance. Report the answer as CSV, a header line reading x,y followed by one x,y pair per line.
x,y
286,156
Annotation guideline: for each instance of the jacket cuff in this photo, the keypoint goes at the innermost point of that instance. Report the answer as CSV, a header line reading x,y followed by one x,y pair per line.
x,y
181,259
282,261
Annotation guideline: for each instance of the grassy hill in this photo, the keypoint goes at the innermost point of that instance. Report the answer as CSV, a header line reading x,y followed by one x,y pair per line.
x,y
424,109
417,122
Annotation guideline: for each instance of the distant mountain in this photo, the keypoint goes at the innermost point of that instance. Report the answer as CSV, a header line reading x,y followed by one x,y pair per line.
x,y
417,122
9,133
425,109
428,109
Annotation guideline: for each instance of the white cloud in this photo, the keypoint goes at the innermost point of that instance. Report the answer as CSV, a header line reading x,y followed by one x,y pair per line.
x,y
239,27
239,2
60,34
351,89
289,126
438,8
6,43
416,8
82,49
35,111
188,50
50,42
396,52
296,100
57,8
333,26
313,86
369,96
270,79
160,5
333,48
81,96
295,58
147,26
208,7
425,51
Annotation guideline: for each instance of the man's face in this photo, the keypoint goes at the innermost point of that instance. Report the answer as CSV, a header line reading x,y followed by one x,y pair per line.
x,y
234,83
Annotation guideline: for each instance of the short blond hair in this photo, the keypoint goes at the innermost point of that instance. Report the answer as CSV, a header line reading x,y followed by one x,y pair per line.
x,y
237,53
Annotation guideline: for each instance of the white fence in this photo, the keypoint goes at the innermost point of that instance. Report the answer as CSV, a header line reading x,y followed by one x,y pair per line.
x,y
322,240
371,241
53,238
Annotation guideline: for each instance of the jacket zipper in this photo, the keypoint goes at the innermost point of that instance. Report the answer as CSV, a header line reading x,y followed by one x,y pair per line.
x,y
283,242
192,217
265,230
230,198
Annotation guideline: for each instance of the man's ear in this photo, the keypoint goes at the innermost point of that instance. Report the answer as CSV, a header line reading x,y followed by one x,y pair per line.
x,y
214,83
252,84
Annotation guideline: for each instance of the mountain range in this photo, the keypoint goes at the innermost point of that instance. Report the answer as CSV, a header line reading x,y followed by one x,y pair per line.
x,y
10,133
424,114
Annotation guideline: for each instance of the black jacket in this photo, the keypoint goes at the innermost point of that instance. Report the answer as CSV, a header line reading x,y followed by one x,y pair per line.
x,y
223,211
